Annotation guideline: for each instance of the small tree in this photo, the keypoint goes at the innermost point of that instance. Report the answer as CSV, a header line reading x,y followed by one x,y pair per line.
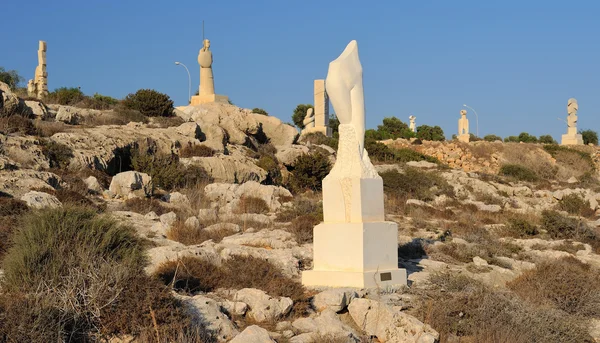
x,y
430,133
393,128
527,138
66,96
473,138
589,136
11,78
513,139
299,114
260,111
150,103
334,124
492,138
547,139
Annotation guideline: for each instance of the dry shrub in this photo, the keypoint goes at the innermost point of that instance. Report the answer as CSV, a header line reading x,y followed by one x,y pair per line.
x,y
50,128
488,198
416,184
566,284
191,236
197,150
462,309
11,211
576,205
465,253
571,161
83,276
520,227
237,272
164,122
561,227
299,207
17,124
144,206
530,157
303,227
518,172
250,204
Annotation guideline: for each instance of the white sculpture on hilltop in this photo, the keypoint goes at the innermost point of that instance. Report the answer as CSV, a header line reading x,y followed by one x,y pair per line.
x,y
355,246
572,137
309,120
413,124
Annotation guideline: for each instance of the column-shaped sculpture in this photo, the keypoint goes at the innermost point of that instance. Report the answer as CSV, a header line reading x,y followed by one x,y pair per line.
x,y
355,246
206,91
413,124
38,87
309,121
463,127
572,137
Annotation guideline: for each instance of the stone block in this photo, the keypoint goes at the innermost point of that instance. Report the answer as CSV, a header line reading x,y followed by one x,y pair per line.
x,y
364,197
464,138
568,139
204,99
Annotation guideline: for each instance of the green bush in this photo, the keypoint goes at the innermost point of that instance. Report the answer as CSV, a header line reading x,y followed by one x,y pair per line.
x,y
58,154
308,172
72,275
430,133
521,227
260,111
65,96
380,152
589,137
492,138
299,114
334,124
527,138
166,171
547,139
11,78
98,102
318,138
415,184
561,227
518,172
271,166
511,139
393,128
150,103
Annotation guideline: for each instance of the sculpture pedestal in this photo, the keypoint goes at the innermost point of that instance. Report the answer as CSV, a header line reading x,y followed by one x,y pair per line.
x,y
359,255
465,138
204,99
570,139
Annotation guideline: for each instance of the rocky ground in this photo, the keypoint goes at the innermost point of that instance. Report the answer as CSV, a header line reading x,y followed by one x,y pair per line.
x,y
492,255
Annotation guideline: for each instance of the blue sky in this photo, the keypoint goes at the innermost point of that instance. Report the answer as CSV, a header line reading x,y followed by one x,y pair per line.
x,y
516,62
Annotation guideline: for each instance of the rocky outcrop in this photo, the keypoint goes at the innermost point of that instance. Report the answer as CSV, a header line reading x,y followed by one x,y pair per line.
x,y
40,200
262,307
207,313
130,183
253,334
10,103
229,195
229,169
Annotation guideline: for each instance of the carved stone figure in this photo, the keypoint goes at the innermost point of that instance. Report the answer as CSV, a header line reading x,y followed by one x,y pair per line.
x,y
413,124
572,137
309,119
206,91
38,87
463,127
355,246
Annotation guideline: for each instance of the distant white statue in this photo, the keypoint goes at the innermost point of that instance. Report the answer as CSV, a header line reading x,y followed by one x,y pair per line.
x,y
572,137
572,108
413,125
463,127
309,121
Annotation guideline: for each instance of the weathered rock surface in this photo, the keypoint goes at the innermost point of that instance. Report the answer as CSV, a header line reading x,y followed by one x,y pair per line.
x,y
207,311
253,334
130,182
39,200
336,299
228,195
263,307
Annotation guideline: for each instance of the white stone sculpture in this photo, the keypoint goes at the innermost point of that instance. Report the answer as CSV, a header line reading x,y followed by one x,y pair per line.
x,y
38,87
572,137
413,124
309,121
206,91
355,246
463,127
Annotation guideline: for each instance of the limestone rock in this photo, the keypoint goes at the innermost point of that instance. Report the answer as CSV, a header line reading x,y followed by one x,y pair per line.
x,y
69,115
192,222
168,219
229,169
262,306
208,311
129,182
326,326
178,199
253,334
225,194
336,299
421,164
288,154
11,103
38,109
207,214
39,200
18,182
190,129
388,323
93,185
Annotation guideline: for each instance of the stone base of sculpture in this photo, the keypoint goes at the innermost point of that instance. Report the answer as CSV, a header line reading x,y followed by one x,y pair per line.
x,y
464,138
570,139
359,255
321,129
204,99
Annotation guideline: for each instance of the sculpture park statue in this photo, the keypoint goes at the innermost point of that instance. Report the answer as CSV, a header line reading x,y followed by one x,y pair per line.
x,y
413,124
463,127
309,119
572,108
207,82
354,246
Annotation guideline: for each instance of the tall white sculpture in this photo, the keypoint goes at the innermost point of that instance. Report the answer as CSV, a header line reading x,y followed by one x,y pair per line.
x,y
354,246
413,124
206,91
463,127
572,137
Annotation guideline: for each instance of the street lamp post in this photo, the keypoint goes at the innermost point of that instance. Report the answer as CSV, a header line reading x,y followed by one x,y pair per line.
x,y
189,81
476,117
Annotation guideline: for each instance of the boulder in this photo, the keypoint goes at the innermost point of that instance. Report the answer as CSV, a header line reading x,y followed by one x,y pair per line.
x,y
336,299
177,199
10,103
229,169
421,164
189,129
192,223
168,219
262,306
69,115
38,109
288,154
326,326
207,311
253,334
278,133
207,214
130,182
225,194
93,185
40,200
388,323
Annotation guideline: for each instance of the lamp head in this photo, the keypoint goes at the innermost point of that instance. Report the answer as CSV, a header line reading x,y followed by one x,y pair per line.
x,y
465,105
177,63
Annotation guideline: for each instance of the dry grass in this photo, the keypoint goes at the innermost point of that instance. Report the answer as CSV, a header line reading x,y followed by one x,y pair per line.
x,y
250,204
303,227
11,211
191,236
197,150
566,284
50,128
144,206
237,272
462,309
